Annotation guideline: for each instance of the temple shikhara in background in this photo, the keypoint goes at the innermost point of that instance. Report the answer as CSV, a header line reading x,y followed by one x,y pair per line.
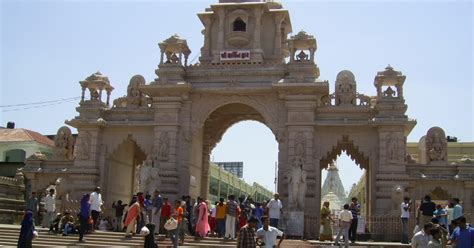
x,y
251,67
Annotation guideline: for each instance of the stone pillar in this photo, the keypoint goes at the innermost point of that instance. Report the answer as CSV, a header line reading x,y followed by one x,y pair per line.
x,y
166,143
300,145
207,30
220,36
257,32
162,55
83,93
278,21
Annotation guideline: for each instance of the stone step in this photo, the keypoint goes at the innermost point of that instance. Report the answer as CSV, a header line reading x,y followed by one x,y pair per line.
x,y
9,236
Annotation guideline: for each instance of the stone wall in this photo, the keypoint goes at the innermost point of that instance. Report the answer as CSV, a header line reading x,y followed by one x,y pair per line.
x,y
12,200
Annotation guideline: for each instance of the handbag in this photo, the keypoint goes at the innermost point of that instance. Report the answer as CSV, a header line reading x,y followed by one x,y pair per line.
x,y
145,231
35,234
171,224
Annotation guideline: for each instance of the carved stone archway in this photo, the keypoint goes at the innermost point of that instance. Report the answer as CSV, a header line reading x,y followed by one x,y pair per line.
x,y
261,74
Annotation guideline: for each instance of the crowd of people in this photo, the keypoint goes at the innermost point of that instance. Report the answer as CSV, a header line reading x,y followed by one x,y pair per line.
x,y
348,222
242,219
250,223
438,225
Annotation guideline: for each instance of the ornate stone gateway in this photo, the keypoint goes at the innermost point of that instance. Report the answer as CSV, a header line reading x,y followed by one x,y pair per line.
x,y
161,134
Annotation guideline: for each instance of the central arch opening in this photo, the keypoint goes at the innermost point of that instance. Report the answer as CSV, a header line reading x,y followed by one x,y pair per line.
x,y
240,153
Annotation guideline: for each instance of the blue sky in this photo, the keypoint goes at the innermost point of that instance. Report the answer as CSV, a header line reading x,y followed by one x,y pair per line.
x,y
47,47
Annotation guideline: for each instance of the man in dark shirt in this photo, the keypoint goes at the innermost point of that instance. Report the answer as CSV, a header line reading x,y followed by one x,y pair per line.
x,y
246,237
118,214
355,210
426,210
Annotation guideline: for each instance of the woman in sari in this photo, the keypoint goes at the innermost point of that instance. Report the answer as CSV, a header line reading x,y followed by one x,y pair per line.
x,y
202,224
132,217
84,216
26,232
326,220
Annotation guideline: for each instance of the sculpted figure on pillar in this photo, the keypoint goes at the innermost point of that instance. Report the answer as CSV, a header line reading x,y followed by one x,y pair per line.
x,y
163,149
84,146
297,182
392,147
63,144
436,144
149,176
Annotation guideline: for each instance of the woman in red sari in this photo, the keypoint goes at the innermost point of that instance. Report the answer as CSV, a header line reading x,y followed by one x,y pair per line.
x,y
133,214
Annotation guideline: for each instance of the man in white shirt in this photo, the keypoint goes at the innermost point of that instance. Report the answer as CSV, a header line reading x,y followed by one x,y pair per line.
x,y
345,219
405,215
96,206
268,234
50,209
423,237
274,209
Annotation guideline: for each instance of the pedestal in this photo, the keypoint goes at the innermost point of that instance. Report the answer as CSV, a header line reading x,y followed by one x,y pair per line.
x,y
293,225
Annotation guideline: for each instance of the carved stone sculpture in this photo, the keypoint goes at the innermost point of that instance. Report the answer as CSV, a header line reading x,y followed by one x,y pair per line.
x,y
436,144
297,184
345,88
84,146
135,97
163,148
149,177
392,148
63,144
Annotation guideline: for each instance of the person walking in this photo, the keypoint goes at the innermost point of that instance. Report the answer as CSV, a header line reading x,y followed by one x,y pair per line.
x,y
96,207
345,220
157,203
274,210
463,236
202,221
326,220
133,214
355,210
449,210
423,237
150,237
441,214
50,209
84,216
220,217
33,205
177,235
231,214
246,237
119,207
212,220
457,209
426,210
268,234
257,212
405,216
27,230
165,213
